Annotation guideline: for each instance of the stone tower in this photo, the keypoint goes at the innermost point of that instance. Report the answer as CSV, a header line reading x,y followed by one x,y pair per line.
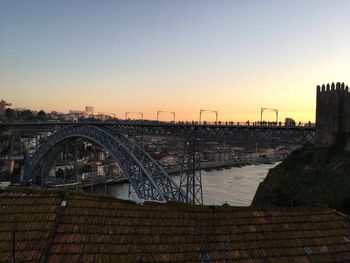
x,y
333,114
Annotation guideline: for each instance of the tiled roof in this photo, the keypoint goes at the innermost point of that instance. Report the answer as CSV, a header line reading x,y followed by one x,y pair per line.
x,y
100,229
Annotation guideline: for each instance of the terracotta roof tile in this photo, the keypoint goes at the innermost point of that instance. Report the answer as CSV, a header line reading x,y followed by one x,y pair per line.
x,y
100,229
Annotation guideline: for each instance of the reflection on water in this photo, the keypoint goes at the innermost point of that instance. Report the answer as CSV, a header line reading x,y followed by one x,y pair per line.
x,y
236,185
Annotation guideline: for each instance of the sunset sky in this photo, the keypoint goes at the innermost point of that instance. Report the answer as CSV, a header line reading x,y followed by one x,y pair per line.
x,y
231,56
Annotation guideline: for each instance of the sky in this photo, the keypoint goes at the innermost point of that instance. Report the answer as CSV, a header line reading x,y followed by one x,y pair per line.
x,y
231,56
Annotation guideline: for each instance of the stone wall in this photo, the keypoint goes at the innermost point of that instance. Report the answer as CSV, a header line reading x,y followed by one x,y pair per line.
x,y
332,113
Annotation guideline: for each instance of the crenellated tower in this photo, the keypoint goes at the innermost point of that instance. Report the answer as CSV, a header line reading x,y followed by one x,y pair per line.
x,y
333,114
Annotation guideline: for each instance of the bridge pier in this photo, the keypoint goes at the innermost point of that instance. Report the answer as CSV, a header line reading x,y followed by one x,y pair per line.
x,y
191,176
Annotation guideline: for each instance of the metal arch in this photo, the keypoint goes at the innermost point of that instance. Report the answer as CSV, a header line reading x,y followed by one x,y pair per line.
x,y
147,177
45,164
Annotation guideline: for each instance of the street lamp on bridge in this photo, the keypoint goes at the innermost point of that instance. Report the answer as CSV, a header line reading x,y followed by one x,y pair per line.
x,y
133,112
201,111
268,109
171,112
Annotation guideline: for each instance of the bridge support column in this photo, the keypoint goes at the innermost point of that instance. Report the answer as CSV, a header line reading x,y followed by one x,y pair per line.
x,y
16,144
76,163
191,177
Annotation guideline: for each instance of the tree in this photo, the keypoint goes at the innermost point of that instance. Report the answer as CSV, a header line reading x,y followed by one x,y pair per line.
x,y
26,115
41,115
5,140
10,115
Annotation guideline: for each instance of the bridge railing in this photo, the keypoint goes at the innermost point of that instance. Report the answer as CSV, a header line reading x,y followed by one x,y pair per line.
x,y
150,122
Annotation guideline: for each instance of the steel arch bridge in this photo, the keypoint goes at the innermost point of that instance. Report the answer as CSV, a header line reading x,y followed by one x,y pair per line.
x,y
227,133
148,179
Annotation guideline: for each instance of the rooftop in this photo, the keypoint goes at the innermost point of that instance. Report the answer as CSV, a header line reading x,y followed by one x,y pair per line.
x,y
68,226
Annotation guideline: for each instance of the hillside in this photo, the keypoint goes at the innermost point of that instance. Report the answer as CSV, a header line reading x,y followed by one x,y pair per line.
x,y
310,176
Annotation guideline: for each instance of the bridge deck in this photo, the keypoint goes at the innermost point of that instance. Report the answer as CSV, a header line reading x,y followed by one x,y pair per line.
x,y
223,132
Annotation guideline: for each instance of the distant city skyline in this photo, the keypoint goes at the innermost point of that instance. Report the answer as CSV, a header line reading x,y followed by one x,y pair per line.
x,y
143,56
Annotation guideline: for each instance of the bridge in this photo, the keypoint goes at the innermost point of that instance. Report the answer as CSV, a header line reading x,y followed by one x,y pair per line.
x,y
147,178
228,133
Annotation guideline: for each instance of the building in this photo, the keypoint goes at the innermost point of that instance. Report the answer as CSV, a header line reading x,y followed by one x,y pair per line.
x,y
97,169
7,166
75,115
333,114
77,112
89,110
105,116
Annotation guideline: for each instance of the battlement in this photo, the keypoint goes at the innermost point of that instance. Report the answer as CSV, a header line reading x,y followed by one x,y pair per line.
x,y
332,87
332,113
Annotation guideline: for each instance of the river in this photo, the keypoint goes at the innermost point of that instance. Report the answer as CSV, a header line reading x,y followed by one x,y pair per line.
x,y
235,186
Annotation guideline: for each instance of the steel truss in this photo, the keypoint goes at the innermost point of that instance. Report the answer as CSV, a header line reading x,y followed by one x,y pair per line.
x,y
148,179
191,177
228,133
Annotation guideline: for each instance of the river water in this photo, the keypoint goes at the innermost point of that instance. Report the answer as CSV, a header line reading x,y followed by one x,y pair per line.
x,y
235,186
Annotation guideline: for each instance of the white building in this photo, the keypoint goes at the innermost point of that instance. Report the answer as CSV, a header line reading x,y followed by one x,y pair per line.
x,y
89,110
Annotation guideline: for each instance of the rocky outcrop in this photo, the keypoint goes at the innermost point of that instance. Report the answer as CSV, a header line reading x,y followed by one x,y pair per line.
x,y
310,176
